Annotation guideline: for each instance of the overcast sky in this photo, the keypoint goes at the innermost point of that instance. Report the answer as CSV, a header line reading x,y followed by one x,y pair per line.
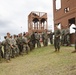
x,y
14,14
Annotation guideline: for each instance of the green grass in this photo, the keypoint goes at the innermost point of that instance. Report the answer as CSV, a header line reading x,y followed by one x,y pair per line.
x,y
42,61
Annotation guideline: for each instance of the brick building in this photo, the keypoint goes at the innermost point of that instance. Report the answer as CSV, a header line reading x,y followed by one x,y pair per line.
x,y
65,15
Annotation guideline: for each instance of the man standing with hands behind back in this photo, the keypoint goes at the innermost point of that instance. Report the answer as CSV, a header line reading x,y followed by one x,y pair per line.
x,y
57,34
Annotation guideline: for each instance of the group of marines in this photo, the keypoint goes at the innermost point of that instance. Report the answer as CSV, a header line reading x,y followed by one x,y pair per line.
x,y
15,45
21,44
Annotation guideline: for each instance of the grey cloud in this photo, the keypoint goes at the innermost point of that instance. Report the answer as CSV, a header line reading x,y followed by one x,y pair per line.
x,y
4,23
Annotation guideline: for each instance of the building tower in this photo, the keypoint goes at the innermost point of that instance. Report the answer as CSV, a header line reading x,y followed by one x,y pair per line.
x,y
37,22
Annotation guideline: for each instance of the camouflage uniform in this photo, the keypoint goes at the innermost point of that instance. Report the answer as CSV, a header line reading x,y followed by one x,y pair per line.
x,y
45,41
57,34
25,44
67,37
30,44
20,43
15,49
4,46
33,39
8,49
43,38
37,37
62,37
12,52
75,45
51,37
0,50
75,41
15,45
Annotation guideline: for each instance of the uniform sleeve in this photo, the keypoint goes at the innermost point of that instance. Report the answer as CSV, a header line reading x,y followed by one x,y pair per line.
x,y
8,41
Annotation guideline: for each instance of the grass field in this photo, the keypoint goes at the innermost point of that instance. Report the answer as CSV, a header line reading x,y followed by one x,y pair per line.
x,y
42,61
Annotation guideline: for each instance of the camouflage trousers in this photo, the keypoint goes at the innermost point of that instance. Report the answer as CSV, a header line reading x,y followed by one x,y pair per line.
x,y
15,51
75,45
25,48
45,42
38,43
57,44
0,54
8,55
30,44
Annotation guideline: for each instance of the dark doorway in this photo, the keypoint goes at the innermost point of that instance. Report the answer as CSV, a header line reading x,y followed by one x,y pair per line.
x,y
71,21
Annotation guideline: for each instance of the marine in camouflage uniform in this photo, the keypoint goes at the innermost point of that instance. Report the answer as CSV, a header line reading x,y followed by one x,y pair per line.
x,y
29,39
51,37
20,43
67,37
8,48
33,39
62,37
15,49
45,36
12,48
0,50
15,45
37,37
57,34
75,41
25,44
4,45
